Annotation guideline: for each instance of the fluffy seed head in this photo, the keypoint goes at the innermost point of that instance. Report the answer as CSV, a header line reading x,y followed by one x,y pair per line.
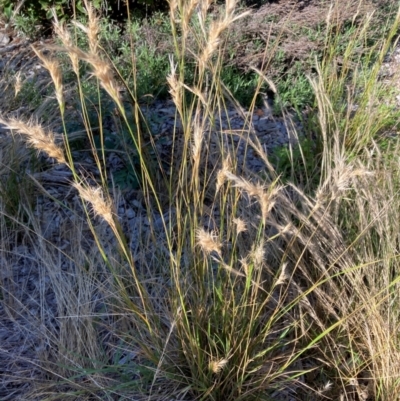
x,y
197,140
93,27
283,276
222,174
240,225
35,136
264,196
92,30
102,71
18,83
65,37
95,197
214,37
174,85
208,242
245,265
54,69
216,366
187,14
212,43
258,254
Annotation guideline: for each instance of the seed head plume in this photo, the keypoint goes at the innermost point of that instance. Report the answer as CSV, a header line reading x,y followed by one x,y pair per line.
x,y
92,30
174,85
284,276
267,201
35,136
209,242
102,71
254,190
214,37
202,9
187,15
258,254
173,6
18,83
55,72
100,206
212,43
93,27
216,366
66,40
265,196
197,139
222,174
240,225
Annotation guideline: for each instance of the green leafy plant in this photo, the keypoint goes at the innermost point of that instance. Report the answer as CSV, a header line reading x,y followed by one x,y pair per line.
x,y
7,11
16,187
27,25
298,163
29,15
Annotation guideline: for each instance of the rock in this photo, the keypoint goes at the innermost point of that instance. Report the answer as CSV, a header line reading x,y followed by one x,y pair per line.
x,y
4,39
130,214
265,124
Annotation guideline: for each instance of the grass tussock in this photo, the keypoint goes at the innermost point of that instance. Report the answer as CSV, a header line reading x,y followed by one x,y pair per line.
x,y
232,285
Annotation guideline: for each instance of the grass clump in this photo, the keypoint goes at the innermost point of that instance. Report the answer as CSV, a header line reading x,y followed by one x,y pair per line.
x,y
227,285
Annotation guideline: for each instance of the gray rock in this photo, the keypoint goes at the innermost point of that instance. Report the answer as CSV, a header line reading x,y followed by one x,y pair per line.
x,y
265,124
4,39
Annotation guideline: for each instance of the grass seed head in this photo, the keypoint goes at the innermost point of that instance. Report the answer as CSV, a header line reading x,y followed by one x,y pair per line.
x,y
208,242
216,366
283,276
18,83
187,15
240,225
223,172
174,85
95,197
65,37
258,254
197,141
37,137
93,27
92,30
55,72
103,72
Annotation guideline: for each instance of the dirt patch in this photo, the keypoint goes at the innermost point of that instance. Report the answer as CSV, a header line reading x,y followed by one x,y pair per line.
x,y
298,27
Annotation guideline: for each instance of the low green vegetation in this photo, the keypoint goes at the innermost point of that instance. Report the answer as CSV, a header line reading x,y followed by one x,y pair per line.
x,y
221,284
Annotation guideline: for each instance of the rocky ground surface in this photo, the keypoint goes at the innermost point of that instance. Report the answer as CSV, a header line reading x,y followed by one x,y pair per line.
x,y
24,275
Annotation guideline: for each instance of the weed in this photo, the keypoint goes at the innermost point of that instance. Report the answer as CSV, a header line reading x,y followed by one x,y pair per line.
x,y
299,163
16,188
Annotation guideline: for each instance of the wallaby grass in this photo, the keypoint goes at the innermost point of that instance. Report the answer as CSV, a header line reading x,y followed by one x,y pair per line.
x,y
240,287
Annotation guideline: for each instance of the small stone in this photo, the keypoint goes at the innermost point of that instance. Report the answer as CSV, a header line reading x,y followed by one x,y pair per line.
x,y
281,140
130,214
265,124
136,203
4,39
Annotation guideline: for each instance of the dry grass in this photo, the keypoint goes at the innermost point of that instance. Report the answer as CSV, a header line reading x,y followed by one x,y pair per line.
x,y
286,294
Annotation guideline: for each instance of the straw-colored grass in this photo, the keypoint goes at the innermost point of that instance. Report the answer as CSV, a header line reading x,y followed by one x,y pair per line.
x,y
242,287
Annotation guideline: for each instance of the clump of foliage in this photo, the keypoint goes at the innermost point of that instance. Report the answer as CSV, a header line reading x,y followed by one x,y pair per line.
x,y
41,12
233,286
